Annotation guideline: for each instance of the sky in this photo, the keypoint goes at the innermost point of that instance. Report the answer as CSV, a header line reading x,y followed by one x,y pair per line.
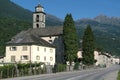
x,y
78,8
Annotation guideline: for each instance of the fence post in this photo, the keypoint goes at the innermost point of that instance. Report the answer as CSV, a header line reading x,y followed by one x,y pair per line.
x,y
17,71
1,74
8,72
35,69
12,72
30,70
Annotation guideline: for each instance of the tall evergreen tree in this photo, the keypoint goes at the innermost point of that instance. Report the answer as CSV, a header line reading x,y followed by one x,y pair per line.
x,y
88,46
70,38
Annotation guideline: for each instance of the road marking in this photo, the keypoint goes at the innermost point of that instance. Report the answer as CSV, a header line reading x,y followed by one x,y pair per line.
x,y
78,77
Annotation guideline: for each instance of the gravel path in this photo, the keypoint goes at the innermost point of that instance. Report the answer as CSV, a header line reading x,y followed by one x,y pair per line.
x,y
111,76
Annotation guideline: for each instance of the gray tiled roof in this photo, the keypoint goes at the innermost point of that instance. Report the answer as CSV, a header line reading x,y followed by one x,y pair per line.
x,y
32,36
48,31
29,39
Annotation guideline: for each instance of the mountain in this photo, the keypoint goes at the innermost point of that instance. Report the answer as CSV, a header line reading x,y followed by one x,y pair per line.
x,y
53,20
14,19
10,10
106,31
108,20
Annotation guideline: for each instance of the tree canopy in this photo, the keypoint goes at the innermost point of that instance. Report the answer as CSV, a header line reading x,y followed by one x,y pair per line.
x,y
88,46
70,38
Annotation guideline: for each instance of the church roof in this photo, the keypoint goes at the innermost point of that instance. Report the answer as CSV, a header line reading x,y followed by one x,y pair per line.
x,y
26,38
32,36
47,31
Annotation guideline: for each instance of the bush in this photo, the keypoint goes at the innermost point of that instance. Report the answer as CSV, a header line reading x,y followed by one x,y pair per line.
x,y
7,71
76,66
59,68
118,78
14,70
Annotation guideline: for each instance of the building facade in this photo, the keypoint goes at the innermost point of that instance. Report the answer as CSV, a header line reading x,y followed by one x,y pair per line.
x,y
30,53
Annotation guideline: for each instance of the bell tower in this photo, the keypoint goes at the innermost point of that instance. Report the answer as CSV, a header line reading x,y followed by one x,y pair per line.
x,y
39,17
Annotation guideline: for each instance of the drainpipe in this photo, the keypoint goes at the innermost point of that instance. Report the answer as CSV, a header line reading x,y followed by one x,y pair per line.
x,y
30,62
30,53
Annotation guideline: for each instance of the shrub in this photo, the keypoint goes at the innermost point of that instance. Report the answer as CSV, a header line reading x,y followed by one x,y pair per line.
x,y
76,66
59,68
118,78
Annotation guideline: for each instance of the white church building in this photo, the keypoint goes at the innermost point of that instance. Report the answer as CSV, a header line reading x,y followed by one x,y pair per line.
x,y
37,44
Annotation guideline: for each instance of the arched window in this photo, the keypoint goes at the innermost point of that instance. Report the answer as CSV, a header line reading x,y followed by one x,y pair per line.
x,y
37,18
37,25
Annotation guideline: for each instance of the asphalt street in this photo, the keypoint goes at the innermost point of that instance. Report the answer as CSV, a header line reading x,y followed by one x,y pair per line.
x,y
90,74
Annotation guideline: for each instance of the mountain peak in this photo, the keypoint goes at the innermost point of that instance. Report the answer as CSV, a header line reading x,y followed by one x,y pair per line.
x,y
101,17
107,20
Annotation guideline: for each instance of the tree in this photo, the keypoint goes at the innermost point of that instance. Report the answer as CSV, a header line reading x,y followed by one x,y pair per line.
x,y
88,46
70,38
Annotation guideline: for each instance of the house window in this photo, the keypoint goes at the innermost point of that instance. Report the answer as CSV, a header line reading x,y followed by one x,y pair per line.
x,y
44,58
51,50
13,48
24,48
37,48
12,58
24,57
50,41
37,57
51,58
44,49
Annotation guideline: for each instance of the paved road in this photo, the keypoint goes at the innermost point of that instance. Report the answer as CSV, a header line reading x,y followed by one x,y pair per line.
x,y
98,74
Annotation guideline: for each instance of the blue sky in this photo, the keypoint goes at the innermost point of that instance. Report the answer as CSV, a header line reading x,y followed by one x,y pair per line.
x,y
78,8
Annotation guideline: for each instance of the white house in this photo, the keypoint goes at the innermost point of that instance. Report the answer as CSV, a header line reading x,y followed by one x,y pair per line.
x,y
101,59
115,60
30,51
79,54
96,57
40,44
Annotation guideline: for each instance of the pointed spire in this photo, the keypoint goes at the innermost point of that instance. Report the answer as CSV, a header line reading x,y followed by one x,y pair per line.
x,y
39,5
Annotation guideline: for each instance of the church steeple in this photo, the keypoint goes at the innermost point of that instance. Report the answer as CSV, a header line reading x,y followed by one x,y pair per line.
x,y
39,17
